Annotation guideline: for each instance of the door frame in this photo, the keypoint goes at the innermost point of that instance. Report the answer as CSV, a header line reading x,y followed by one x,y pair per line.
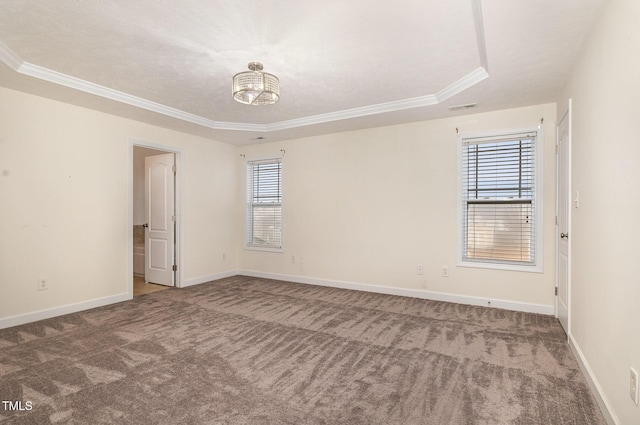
x,y
179,239
566,116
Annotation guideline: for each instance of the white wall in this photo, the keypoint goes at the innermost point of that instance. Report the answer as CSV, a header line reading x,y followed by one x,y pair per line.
x,y
65,205
368,206
605,294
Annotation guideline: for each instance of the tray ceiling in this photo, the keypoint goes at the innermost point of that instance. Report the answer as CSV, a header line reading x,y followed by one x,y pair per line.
x,y
342,65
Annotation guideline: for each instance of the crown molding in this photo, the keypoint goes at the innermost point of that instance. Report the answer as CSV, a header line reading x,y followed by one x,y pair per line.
x,y
59,78
468,81
55,77
459,86
8,57
479,74
476,7
363,111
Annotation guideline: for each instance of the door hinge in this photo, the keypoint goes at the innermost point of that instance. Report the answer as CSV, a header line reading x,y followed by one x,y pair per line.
x,y
173,168
557,149
175,268
556,220
173,218
556,290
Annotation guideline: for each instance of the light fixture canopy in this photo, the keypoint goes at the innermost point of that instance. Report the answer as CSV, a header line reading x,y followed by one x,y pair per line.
x,y
255,87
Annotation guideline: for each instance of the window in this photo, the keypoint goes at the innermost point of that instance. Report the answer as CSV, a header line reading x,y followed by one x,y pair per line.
x,y
264,204
500,201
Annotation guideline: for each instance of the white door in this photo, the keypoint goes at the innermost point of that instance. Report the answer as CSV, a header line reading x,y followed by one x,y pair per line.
x,y
159,204
563,269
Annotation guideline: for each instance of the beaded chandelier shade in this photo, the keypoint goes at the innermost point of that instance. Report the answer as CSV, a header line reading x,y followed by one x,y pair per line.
x,y
255,87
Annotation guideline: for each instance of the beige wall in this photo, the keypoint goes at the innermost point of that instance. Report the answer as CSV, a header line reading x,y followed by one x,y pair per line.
x,y
368,206
65,203
605,293
363,207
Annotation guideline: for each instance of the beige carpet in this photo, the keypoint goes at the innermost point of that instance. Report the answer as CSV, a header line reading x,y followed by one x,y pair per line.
x,y
253,351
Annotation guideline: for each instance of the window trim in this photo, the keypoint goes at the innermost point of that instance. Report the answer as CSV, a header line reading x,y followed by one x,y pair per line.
x,y
536,267
245,242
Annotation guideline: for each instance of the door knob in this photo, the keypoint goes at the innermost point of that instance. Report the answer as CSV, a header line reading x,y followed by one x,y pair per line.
x,y
147,225
564,235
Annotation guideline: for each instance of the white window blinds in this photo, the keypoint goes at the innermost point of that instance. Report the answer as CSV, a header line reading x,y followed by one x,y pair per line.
x,y
264,204
499,199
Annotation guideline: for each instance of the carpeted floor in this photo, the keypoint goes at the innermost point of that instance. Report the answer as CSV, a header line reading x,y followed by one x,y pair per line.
x,y
254,351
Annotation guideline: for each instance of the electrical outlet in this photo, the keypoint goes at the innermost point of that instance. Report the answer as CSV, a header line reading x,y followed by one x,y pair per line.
x,y
419,270
633,386
43,284
445,271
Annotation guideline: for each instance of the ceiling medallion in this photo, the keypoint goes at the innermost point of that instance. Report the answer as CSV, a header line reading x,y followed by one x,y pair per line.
x,y
255,87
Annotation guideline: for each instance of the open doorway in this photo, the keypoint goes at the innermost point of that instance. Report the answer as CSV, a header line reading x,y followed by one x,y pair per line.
x,y
154,211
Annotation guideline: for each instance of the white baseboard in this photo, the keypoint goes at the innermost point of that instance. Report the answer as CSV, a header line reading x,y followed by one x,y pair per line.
x,y
204,279
596,389
48,313
405,292
21,319
389,290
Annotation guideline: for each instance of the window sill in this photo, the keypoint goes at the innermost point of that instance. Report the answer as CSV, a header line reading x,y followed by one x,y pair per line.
x,y
262,248
498,266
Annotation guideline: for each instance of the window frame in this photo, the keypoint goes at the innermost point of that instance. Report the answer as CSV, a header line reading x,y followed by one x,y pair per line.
x,y
538,195
248,205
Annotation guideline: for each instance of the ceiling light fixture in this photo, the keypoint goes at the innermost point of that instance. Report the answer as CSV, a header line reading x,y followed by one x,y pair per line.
x,y
255,87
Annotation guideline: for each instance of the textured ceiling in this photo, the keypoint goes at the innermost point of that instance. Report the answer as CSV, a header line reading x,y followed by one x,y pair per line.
x,y
342,64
